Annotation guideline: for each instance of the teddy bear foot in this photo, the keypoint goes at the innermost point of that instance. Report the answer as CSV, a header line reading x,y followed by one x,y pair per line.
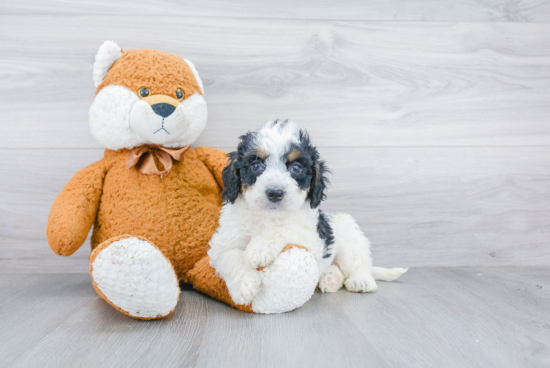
x,y
288,282
133,275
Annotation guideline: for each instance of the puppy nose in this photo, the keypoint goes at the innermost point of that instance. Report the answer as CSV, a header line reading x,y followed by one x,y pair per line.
x,y
163,109
275,195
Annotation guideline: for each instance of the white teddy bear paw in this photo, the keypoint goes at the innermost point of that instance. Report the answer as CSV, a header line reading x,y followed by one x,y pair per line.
x,y
134,276
331,280
244,289
288,282
361,282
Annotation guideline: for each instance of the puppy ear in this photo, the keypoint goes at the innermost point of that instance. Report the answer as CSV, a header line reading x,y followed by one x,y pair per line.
x,y
319,183
231,179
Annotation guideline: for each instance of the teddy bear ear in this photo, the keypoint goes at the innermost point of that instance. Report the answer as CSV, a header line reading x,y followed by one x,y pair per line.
x,y
195,73
106,56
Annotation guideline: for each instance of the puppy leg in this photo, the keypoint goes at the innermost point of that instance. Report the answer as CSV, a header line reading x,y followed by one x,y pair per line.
x,y
264,248
331,280
361,281
244,286
243,282
353,254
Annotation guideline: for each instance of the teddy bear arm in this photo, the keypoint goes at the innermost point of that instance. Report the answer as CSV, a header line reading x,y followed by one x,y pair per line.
x,y
74,210
215,160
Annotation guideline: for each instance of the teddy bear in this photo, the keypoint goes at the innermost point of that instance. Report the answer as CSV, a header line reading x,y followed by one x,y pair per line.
x,y
153,201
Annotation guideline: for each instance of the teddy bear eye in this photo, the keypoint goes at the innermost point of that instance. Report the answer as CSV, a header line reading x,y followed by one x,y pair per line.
x,y
180,94
144,92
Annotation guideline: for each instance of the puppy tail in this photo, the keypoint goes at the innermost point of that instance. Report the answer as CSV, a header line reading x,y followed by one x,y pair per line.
x,y
387,274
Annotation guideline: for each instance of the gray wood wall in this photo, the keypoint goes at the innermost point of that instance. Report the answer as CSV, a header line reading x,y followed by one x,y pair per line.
x,y
433,115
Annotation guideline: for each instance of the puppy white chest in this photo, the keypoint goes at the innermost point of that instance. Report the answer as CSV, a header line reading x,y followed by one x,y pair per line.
x,y
297,227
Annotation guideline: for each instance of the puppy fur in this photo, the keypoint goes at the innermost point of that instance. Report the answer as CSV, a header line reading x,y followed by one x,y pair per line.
x,y
274,184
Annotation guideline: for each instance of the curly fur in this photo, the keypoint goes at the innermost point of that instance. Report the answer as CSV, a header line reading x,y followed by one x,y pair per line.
x,y
274,184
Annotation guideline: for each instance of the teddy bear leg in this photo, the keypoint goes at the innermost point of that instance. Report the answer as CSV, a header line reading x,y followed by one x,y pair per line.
x,y
133,275
287,283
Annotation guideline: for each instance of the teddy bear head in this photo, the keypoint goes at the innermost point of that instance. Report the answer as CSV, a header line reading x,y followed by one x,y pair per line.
x,y
145,97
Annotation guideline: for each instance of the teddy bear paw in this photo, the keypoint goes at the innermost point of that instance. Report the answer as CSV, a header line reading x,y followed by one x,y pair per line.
x,y
133,275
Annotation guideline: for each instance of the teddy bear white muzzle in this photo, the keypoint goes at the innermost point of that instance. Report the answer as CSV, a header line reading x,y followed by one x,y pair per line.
x,y
158,122
119,118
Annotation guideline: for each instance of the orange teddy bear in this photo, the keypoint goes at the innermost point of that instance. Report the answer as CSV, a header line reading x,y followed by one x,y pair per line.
x,y
153,201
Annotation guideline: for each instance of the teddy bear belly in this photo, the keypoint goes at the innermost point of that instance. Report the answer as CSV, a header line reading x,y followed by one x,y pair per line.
x,y
178,213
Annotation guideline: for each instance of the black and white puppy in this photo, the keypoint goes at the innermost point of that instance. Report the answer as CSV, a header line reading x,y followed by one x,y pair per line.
x,y
274,184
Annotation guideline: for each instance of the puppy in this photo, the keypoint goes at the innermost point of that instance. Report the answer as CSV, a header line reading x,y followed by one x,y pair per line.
x,y
274,184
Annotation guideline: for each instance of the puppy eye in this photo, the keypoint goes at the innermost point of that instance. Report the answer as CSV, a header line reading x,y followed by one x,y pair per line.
x,y
144,92
257,167
295,168
180,94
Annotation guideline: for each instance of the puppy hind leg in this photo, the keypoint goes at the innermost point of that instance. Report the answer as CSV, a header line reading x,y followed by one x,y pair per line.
x,y
353,255
331,280
361,281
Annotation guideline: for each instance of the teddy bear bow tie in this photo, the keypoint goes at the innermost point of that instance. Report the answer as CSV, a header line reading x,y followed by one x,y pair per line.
x,y
144,159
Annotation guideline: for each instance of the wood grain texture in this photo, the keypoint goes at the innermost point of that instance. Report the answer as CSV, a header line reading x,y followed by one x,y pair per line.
x,y
420,206
403,10
350,83
462,317
433,116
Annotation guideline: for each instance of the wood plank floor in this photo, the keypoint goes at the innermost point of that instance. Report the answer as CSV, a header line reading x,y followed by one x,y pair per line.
x,y
442,317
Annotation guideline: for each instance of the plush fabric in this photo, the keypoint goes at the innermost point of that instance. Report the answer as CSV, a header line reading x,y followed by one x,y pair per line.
x,y
205,279
133,300
74,211
178,212
142,221
276,297
106,56
133,71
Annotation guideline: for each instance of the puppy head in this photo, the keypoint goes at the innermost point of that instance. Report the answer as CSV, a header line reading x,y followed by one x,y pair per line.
x,y
145,97
277,169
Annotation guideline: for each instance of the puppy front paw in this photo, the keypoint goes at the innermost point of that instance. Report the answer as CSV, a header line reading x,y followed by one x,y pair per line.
x,y
263,249
244,290
257,257
361,282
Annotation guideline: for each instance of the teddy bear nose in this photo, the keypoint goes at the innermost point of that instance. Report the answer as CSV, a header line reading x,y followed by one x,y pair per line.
x,y
163,109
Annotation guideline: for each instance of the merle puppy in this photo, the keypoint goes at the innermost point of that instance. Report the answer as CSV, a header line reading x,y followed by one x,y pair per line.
x,y
274,184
